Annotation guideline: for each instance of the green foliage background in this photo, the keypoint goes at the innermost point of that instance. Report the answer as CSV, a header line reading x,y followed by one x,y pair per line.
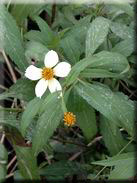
x,y
98,41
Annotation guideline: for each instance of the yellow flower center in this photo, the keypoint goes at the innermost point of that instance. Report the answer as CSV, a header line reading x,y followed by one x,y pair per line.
x,y
47,73
69,118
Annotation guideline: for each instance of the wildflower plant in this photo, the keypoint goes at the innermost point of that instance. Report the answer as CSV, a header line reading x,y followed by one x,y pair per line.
x,y
69,92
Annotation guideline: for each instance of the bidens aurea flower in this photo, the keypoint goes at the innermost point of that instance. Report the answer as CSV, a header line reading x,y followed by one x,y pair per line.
x,y
69,119
46,75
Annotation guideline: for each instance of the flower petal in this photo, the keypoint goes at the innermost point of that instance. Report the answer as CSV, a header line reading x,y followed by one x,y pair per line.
x,y
33,73
41,87
54,85
51,59
62,69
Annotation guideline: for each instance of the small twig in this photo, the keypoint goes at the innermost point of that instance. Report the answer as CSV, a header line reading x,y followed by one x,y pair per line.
x,y
127,88
20,72
9,66
14,103
9,175
9,4
94,141
49,162
80,152
133,93
11,162
2,138
75,156
13,168
3,87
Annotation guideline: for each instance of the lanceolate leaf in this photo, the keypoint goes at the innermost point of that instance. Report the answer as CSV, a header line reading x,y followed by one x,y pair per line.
x,y
124,166
125,47
114,62
79,30
74,47
85,115
109,61
114,106
48,122
10,39
29,113
37,36
115,160
45,29
23,89
22,11
27,163
126,7
112,136
124,170
96,34
99,73
122,31
36,51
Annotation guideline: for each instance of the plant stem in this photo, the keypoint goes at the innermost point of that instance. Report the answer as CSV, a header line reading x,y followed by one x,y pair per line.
x,y
9,66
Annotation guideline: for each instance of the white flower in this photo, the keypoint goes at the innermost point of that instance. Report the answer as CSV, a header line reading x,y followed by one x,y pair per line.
x,y
46,75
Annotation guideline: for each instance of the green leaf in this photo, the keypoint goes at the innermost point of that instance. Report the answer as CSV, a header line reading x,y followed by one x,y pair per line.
x,y
124,170
10,125
11,39
62,21
115,106
85,115
125,47
110,61
114,62
96,34
126,7
87,122
122,31
45,29
27,163
47,122
3,162
69,14
77,68
36,36
74,47
23,89
31,110
79,30
112,136
99,73
35,50
116,159
21,11
9,117
124,166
